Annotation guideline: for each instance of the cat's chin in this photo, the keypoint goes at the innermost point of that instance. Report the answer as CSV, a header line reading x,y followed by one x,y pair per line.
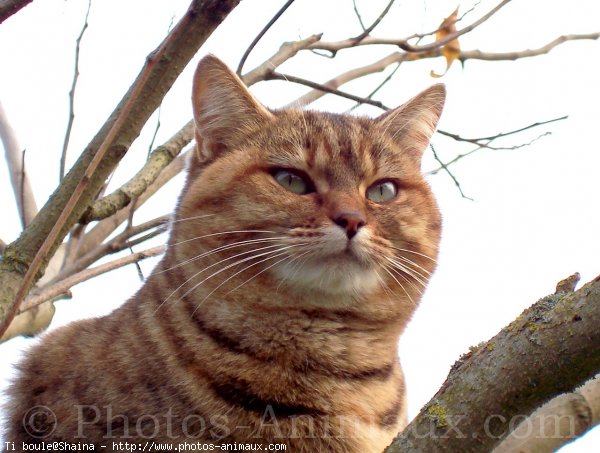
x,y
340,276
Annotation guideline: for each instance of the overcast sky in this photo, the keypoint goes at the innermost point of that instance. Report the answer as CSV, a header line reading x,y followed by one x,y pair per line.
x,y
534,219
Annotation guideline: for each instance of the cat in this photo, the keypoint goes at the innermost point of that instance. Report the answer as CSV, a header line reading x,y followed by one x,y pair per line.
x,y
299,249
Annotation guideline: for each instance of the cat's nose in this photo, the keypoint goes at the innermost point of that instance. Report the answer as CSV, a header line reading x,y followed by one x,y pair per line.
x,y
351,222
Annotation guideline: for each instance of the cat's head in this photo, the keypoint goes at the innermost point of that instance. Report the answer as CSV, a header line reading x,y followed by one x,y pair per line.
x,y
305,200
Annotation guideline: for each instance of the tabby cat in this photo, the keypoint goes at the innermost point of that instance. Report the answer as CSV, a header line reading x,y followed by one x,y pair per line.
x,y
299,249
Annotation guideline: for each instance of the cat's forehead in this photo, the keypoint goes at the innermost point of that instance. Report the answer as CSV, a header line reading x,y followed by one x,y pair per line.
x,y
341,148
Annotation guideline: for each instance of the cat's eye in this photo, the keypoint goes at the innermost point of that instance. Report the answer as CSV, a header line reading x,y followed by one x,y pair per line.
x,y
293,182
382,191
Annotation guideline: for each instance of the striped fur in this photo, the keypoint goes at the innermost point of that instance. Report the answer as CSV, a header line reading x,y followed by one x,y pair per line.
x,y
265,321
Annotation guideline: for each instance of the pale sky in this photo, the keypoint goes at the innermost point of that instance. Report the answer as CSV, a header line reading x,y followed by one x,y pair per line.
x,y
532,221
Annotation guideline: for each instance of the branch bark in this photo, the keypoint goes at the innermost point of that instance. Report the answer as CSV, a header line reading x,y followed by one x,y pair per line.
x,y
25,259
10,7
62,286
557,423
159,158
551,348
16,167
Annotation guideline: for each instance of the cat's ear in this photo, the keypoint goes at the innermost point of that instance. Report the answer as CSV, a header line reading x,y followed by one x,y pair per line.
x,y
224,109
412,124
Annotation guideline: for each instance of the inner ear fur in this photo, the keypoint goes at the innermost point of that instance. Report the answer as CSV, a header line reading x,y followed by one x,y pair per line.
x,y
412,124
224,110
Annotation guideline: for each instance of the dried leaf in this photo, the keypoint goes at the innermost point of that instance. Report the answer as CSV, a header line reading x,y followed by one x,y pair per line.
x,y
451,50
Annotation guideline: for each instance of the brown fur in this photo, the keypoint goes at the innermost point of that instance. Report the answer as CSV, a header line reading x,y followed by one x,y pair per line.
x,y
297,342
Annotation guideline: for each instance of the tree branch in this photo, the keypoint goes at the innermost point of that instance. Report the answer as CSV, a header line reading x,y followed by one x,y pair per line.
x,y
356,73
63,155
290,78
106,227
551,348
25,259
261,34
10,7
63,286
557,423
18,176
444,167
117,244
336,46
158,160
498,56
370,28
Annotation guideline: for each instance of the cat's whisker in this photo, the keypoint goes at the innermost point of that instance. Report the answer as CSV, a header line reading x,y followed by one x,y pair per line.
x,y
413,252
385,268
295,268
288,257
404,271
412,264
229,266
222,248
221,233
196,217
216,264
405,268
405,276
384,285
277,253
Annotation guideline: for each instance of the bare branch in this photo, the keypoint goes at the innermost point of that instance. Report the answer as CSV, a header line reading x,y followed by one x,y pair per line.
x,y
106,227
346,77
63,155
447,170
18,176
495,56
260,35
34,247
334,47
558,422
158,160
285,52
358,16
470,421
10,7
289,78
484,142
63,286
370,28
117,244
479,140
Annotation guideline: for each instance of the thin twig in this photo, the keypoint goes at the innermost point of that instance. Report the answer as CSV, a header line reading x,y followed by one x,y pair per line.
x,y
358,16
157,127
356,73
384,82
318,86
21,186
260,35
370,28
104,228
478,140
484,146
335,46
447,170
117,244
158,160
63,286
63,156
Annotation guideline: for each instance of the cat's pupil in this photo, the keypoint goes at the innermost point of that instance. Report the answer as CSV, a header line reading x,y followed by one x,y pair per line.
x,y
292,182
382,192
